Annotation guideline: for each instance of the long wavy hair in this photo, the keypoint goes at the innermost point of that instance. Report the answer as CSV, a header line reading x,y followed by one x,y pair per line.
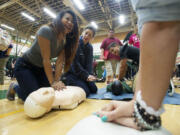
x,y
71,38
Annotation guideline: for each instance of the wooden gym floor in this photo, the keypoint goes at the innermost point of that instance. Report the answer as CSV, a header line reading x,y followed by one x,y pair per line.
x,y
13,121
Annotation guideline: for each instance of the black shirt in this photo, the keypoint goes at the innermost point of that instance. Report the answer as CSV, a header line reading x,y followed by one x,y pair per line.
x,y
83,61
130,52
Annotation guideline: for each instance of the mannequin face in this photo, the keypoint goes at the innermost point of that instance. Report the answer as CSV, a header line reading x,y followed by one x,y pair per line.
x,y
44,96
39,102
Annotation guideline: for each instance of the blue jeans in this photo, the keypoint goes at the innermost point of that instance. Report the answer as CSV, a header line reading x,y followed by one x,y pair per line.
x,y
29,78
88,87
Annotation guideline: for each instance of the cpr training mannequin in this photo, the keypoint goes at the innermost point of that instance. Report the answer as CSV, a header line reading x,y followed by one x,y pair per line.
x,y
44,99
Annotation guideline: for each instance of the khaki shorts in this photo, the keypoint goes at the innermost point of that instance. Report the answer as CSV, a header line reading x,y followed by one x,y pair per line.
x,y
156,10
112,67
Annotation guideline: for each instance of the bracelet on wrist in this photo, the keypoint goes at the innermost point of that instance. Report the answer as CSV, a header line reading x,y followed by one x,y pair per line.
x,y
144,120
149,109
145,117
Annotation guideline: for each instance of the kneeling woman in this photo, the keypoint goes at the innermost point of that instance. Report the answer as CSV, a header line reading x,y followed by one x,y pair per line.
x,y
81,71
33,70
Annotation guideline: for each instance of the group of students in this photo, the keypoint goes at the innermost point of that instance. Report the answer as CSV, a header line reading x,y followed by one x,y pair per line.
x,y
74,56
159,27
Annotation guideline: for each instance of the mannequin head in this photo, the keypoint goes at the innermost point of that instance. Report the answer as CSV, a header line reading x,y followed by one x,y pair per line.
x,y
39,102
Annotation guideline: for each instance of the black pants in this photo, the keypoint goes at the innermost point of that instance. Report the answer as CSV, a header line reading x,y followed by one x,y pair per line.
x,y
72,80
29,78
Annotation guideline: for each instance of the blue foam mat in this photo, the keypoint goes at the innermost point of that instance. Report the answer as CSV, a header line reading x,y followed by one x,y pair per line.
x,y
102,94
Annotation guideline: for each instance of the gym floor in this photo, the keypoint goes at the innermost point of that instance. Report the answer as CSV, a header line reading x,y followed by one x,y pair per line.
x,y
13,121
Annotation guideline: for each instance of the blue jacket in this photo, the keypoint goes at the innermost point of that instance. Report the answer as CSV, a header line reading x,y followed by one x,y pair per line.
x,y
82,65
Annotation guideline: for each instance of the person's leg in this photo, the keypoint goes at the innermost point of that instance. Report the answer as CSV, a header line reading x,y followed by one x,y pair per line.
x,y
2,65
72,80
1,71
122,68
92,87
38,78
171,88
42,79
117,70
109,71
114,65
27,81
179,71
84,86
159,45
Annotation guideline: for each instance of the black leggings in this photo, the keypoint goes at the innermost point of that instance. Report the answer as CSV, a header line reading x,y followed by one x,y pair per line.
x,y
72,80
29,78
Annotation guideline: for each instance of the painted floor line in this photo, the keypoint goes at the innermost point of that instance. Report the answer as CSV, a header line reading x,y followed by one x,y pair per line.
x,y
11,113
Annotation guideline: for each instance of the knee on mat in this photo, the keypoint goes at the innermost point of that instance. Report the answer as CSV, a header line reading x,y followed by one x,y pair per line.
x,y
87,92
93,88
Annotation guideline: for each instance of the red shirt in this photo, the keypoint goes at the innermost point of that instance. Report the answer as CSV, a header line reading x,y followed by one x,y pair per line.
x,y
106,42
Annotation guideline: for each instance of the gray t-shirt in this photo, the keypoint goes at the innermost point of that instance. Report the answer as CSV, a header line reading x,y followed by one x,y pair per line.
x,y
33,55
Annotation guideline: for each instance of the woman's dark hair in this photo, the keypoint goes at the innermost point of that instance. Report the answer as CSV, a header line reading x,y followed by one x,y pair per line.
x,y
92,29
71,38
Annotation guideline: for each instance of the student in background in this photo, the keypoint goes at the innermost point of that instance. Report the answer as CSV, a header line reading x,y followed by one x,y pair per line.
x,y
111,61
134,39
4,55
81,71
126,52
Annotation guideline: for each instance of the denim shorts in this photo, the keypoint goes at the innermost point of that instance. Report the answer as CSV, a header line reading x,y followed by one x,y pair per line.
x,y
156,10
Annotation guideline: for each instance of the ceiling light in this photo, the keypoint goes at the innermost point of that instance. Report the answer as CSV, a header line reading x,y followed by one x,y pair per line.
x,y
28,16
8,27
33,37
94,25
122,19
23,41
79,4
49,12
